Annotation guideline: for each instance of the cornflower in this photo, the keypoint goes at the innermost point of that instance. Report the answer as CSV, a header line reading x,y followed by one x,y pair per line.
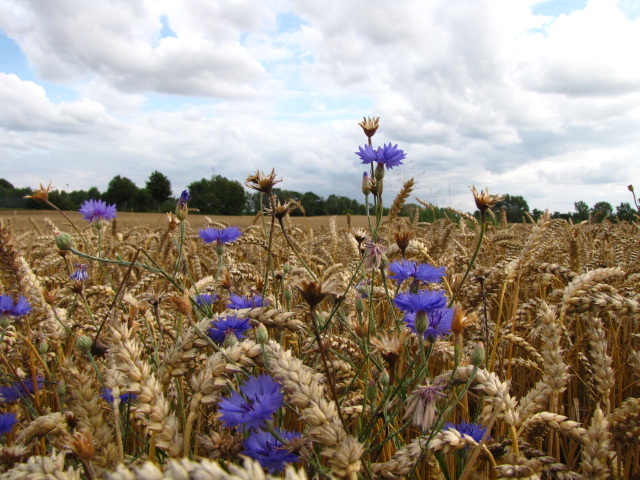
x,y
97,210
107,394
220,236
472,430
225,326
418,272
257,401
387,155
237,302
16,391
80,274
7,422
269,451
206,299
181,207
8,308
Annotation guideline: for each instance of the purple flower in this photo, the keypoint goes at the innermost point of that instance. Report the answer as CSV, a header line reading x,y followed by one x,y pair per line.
x,y
8,308
184,198
387,155
80,274
206,299
107,394
424,300
224,326
16,391
7,422
474,430
236,302
93,210
257,401
438,322
419,272
220,236
269,451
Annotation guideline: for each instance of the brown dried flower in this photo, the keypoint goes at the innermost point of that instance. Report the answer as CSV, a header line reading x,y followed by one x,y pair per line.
x,y
173,221
279,210
313,292
261,182
390,347
402,238
422,405
374,255
369,125
483,200
41,194
461,320
82,445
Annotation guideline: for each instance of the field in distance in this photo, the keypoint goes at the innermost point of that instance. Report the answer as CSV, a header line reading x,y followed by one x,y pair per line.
x,y
21,219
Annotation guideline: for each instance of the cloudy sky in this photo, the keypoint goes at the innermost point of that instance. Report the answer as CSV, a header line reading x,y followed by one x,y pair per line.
x,y
532,98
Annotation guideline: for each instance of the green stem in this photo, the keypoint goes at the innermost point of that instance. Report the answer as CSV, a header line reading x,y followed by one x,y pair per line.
x,y
471,262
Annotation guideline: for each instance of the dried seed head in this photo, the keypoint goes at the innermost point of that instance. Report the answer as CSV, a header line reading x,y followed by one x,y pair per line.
x,y
370,125
279,210
82,445
483,200
461,320
390,347
173,221
41,194
261,182
313,293
402,238
182,303
226,281
421,404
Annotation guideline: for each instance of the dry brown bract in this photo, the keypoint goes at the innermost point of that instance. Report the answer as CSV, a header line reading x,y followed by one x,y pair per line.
x,y
370,125
261,182
483,200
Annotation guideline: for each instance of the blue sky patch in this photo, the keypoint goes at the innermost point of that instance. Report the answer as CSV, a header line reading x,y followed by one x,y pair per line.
x,y
555,8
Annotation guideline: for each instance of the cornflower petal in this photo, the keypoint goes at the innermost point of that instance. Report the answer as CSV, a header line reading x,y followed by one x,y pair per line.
x,y
93,210
7,422
224,326
424,300
474,430
257,401
220,236
269,451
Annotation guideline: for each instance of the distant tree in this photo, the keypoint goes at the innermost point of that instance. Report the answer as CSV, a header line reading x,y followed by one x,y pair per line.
x,y
159,187
312,203
601,210
217,196
536,214
120,191
142,201
6,184
582,211
625,211
515,205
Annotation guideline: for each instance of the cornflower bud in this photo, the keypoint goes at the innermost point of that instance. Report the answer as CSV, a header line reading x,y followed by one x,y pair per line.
x,y
83,343
262,334
359,304
422,323
477,357
288,293
181,207
384,378
630,187
64,241
43,348
379,172
230,340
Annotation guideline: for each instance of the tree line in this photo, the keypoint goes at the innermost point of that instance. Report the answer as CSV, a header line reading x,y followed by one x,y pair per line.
x,y
220,196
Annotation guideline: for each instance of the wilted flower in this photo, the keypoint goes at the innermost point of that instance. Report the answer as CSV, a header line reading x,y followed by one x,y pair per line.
x,y
97,210
220,236
173,221
80,274
41,194
483,200
472,430
261,182
279,210
222,327
370,125
269,451
313,292
418,272
421,404
374,253
402,238
9,309
257,401
7,422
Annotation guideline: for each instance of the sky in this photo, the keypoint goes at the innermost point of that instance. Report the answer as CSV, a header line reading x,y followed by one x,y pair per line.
x,y
533,98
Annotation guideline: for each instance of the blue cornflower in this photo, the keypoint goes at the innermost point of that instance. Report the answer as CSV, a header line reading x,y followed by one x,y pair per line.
x,y
438,322
93,210
474,430
220,236
8,308
387,155
80,274
184,198
424,300
206,299
7,422
418,272
224,326
237,302
16,391
269,451
107,394
257,401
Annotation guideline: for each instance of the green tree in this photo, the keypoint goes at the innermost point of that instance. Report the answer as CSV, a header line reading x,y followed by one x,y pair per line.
x,y
625,211
582,211
120,191
313,204
515,205
217,196
159,187
601,210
